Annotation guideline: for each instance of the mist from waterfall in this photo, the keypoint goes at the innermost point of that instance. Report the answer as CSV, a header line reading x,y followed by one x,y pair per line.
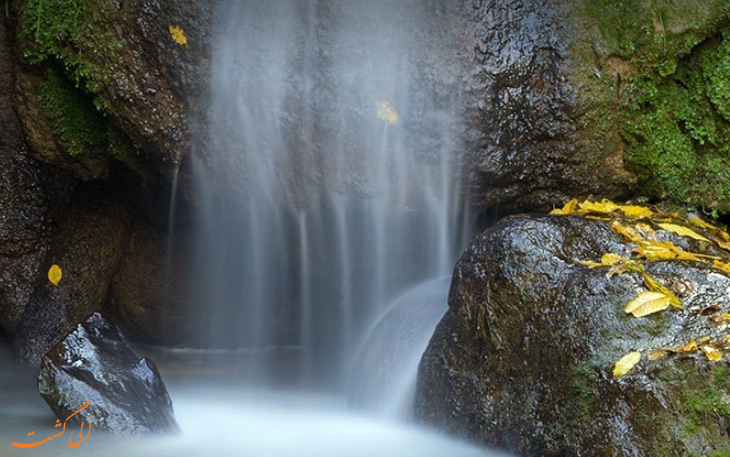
x,y
330,182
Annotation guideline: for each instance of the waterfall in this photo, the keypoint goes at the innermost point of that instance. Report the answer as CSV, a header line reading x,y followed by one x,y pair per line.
x,y
330,181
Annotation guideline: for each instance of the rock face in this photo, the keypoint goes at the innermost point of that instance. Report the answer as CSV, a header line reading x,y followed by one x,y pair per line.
x,y
31,196
94,364
150,291
523,359
87,246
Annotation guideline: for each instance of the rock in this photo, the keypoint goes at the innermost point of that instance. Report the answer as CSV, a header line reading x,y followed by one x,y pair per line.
x,y
94,364
523,359
31,197
149,295
87,245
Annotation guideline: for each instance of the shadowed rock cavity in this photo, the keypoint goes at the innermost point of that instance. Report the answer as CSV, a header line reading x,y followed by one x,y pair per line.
x,y
94,364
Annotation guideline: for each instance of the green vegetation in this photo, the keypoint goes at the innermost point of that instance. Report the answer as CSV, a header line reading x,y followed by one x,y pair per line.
x,y
659,74
59,35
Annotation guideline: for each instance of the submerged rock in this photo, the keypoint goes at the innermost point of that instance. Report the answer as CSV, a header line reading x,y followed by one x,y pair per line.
x,y
524,358
94,364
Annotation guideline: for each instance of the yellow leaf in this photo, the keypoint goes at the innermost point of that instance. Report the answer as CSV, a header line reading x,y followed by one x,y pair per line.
x,y
569,208
54,274
648,303
590,263
627,232
178,35
635,212
645,230
722,266
723,244
387,113
701,224
663,250
654,286
689,347
626,363
610,258
683,231
711,353
602,207
656,354
622,268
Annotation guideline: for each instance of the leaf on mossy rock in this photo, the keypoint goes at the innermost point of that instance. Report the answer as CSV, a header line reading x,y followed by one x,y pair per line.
x,y
711,353
654,286
683,231
647,303
626,363
54,274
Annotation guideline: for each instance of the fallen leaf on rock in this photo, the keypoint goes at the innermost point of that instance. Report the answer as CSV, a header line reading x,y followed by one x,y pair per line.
x,y
725,267
654,251
645,230
647,303
711,353
626,363
178,35
683,231
655,286
568,208
54,274
635,212
627,232
689,347
697,222
656,354
603,207
622,268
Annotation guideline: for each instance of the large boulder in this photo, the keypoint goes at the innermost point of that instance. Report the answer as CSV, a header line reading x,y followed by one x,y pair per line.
x,y
94,364
87,246
524,358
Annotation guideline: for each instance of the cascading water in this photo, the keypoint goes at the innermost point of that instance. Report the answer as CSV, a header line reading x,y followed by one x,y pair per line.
x,y
330,181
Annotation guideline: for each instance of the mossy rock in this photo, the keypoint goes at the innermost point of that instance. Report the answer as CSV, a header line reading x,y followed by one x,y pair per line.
x,y
524,358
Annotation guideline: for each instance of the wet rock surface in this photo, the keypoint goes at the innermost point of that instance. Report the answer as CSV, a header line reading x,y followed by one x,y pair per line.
x,y
523,359
87,246
31,196
94,364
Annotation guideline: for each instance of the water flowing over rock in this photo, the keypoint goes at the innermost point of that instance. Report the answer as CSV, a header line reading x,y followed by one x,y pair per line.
x,y
94,364
523,359
87,246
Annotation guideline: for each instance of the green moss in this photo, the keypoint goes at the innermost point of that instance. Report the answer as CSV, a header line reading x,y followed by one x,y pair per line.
x,y
659,74
584,382
72,115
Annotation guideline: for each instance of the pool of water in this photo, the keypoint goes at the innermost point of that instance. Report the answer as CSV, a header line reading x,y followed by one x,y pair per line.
x,y
219,418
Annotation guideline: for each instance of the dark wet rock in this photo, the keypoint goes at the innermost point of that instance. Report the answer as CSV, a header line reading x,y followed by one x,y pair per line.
x,y
525,115
149,295
87,245
31,196
523,359
94,364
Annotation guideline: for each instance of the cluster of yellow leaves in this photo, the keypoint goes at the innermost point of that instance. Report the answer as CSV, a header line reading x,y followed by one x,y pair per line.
x,y
658,297
178,35
604,207
387,113
54,274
